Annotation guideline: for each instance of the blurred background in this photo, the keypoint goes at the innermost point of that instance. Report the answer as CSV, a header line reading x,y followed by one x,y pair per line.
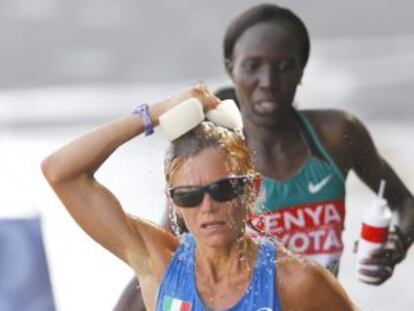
x,y
66,66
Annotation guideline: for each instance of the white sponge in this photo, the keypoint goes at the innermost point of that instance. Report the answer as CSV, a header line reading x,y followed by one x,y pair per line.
x,y
226,114
182,118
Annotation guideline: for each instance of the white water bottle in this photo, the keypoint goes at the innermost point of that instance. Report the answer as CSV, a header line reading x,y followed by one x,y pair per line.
x,y
374,232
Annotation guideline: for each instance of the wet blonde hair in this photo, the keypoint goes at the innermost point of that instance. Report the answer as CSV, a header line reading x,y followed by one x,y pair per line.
x,y
209,135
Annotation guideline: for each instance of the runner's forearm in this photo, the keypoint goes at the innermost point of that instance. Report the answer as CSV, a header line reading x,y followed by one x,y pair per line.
x,y
86,154
405,214
83,156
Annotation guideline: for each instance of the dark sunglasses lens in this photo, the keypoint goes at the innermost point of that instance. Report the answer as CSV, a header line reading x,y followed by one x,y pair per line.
x,y
187,196
226,190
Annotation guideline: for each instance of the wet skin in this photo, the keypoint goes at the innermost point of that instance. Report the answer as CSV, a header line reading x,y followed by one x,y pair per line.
x,y
220,268
214,224
218,228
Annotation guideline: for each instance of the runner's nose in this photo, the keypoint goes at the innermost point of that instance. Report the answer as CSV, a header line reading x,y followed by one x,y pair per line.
x,y
268,78
208,204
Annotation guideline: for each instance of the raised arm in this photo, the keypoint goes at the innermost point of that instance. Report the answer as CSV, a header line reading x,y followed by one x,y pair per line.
x,y
70,172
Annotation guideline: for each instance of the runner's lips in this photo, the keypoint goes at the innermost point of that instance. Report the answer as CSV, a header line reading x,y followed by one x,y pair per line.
x,y
265,106
212,224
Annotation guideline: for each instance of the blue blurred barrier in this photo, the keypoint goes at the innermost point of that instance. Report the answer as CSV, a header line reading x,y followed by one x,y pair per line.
x,y
24,276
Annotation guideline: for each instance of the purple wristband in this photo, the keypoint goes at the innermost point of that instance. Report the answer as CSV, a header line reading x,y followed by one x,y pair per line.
x,y
143,111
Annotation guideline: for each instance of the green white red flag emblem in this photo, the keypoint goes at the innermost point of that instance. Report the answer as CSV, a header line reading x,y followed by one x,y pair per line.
x,y
174,304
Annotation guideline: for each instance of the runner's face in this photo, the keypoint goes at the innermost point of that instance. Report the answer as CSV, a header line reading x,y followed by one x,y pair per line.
x,y
266,69
214,223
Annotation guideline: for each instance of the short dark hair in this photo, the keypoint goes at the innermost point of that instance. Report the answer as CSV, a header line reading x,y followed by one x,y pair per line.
x,y
267,13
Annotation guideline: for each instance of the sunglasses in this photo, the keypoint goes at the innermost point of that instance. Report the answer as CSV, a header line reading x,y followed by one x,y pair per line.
x,y
221,190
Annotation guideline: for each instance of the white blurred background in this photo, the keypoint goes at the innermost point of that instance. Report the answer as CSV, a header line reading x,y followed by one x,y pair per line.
x,y
66,66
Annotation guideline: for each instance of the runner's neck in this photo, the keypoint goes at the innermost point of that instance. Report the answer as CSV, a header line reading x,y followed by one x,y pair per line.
x,y
280,136
216,265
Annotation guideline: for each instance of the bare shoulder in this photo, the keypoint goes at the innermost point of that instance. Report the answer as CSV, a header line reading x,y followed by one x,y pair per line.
x,y
341,132
300,272
332,124
303,284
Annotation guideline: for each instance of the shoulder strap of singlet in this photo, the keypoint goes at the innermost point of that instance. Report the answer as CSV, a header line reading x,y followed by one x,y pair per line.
x,y
268,271
187,240
308,137
186,247
315,139
267,252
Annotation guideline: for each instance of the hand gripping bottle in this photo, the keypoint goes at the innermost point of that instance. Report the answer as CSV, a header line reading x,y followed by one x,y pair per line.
x,y
375,225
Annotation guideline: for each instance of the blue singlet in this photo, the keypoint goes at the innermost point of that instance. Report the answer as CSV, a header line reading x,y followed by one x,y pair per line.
x,y
178,290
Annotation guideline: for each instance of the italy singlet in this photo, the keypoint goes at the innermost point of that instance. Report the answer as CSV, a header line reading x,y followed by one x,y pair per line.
x,y
178,291
306,212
